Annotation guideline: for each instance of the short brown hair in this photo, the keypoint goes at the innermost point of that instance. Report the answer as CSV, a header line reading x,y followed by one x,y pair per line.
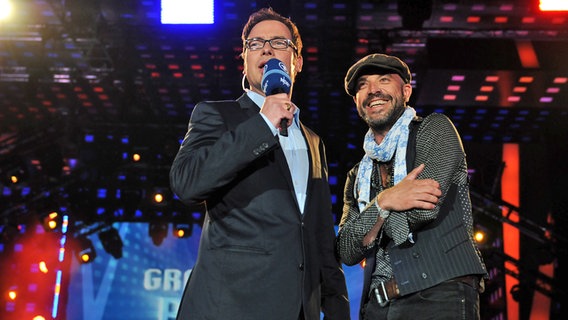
x,y
269,14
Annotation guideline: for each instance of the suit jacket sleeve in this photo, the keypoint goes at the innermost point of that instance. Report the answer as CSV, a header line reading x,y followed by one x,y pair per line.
x,y
213,152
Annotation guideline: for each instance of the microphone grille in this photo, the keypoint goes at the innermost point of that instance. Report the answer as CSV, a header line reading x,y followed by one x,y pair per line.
x,y
275,78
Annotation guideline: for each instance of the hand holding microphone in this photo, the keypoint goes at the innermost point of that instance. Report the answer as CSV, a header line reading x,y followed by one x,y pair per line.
x,y
275,79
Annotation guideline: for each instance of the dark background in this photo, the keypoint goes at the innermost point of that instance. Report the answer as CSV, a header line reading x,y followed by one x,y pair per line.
x,y
85,84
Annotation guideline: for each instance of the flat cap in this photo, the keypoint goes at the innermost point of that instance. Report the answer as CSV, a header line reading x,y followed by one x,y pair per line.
x,y
380,62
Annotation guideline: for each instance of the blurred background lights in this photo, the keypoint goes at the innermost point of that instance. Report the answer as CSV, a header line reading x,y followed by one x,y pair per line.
x,y
158,197
12,294
479,236
43,267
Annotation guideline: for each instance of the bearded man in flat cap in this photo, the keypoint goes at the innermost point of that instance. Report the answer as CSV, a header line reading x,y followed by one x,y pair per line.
x,y
407,209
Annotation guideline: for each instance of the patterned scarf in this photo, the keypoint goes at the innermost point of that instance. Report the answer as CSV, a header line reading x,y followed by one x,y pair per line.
x,y
395,140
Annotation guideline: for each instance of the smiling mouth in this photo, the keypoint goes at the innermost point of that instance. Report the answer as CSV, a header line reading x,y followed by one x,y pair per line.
x,y
376,103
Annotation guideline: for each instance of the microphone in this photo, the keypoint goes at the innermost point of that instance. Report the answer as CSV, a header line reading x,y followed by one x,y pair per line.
x,y
275,79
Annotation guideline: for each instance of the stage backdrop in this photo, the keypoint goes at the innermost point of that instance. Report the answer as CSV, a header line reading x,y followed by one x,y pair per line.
x,y
148,281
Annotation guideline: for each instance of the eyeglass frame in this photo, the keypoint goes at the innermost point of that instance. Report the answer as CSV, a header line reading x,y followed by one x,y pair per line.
x,y
289,43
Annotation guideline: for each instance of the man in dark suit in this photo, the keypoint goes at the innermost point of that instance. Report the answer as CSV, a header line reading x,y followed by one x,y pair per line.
x,y
407,211
267,246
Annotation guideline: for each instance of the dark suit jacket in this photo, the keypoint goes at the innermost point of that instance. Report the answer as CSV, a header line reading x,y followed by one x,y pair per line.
x,y
259,258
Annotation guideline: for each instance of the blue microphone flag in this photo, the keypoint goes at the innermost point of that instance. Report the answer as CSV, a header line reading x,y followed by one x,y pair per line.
x,y
275,78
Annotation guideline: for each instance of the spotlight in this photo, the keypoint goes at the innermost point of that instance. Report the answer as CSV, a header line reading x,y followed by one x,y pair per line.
x,y
43,267
14,171
182,230
552,6
160,197
13,293
52,221
480,236
483,237
136,157
111,241
7,9
158,231
85,251
14,177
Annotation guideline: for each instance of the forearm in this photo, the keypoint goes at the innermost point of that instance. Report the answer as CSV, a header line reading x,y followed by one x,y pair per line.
x,y
355,227
439,158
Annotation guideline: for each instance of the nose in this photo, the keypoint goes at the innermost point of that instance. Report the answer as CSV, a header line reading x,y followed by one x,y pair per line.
x,y
374,87
267,49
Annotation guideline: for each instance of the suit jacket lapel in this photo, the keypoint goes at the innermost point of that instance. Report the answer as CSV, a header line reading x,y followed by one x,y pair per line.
x,y
250,109
312,142
314,155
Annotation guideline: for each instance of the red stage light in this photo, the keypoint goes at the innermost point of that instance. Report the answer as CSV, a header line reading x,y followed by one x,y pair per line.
x,y
553,5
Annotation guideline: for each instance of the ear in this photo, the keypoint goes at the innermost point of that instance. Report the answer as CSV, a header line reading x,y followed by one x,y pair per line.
x,y
298,63
244,57
407,91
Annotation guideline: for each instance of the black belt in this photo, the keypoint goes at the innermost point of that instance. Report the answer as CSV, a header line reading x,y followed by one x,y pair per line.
x,y
388,290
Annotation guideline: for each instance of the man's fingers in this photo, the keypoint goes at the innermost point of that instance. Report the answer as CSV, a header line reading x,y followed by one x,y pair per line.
x,y
414,173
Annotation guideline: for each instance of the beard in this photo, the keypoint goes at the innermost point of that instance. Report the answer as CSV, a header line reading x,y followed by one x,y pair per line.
x,y
386,122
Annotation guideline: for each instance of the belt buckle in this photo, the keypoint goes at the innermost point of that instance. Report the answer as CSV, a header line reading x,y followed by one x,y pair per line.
x,y
382,302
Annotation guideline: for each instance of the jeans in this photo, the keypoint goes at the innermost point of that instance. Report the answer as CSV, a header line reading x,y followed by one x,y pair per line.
x,y
451,300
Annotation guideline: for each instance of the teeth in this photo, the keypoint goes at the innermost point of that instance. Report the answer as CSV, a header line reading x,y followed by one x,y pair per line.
x,y
377,103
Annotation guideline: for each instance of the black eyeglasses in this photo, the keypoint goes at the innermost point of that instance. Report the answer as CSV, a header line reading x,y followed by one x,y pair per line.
x,y
254,44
